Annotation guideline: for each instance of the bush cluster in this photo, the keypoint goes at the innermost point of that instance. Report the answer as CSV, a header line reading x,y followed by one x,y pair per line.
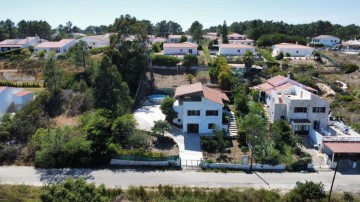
x,y
164,60
20,85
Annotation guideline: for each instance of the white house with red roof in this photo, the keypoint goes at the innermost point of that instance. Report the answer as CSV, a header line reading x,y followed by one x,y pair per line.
x,y
57,47
11,44
175,38
236,36
180,48
199,108
326,40
96,41
234,49
12,95
295,50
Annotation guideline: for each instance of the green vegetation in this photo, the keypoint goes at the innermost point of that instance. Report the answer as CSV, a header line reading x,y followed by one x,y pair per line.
x,y
164,60
77,190
160,128
79,54
196,30
224,32
217,143
95,51
190,60
266,54
272,39
167,109
20,85
349,68
220,71
183,38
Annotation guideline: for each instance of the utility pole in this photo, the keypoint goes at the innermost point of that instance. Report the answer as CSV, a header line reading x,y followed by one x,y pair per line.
x,y
332,183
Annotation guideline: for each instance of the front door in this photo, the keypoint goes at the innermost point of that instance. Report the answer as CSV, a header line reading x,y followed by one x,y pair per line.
x,y
190,51
193,128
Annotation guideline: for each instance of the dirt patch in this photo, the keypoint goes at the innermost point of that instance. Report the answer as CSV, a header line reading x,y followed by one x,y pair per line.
x,y
172,78
327,92
164,145
233,154
64,120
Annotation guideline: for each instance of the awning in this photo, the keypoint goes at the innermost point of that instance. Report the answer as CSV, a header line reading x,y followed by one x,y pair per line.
x,y
341,147
302,121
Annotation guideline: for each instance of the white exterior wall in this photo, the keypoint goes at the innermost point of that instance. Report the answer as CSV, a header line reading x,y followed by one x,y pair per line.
x,y
328,41
294,52
57,50
94,43
202,120
234,51
7,98
21,101
179,51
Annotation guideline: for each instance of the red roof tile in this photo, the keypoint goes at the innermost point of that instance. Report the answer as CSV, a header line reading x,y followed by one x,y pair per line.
x,y
276,79
22,93
180,45
2,88
284,86
211,94
341,147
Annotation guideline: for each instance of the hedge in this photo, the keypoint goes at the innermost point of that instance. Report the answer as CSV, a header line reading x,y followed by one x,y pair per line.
x,y
11,52
272,39
20,85
349,68
164,60
95,51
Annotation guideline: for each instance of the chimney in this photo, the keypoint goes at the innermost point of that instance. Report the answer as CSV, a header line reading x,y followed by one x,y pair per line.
x,y
296,43
301,94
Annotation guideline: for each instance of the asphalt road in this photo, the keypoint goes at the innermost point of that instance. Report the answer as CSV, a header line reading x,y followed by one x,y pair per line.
x,y
124,178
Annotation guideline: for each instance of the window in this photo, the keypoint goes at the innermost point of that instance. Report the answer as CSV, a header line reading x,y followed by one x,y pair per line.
x,y
211,126
316,124
180,50
193,112
300,109
297,51
301,128
212,113
238,51
319,109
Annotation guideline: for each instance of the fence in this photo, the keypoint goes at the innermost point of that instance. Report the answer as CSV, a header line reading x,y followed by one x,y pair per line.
x,y
134,160
264,167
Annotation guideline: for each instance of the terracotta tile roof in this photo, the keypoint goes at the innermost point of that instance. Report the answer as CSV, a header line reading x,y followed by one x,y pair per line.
x,y
54,44
211,94
341,147
235,45
22,93
284,86
290,45
180,45
2,88
324,36
275,80
263,87
99,37
236,35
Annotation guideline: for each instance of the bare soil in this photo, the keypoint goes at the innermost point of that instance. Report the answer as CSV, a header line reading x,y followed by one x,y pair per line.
x,y
164,145
232,155
172,78
64,120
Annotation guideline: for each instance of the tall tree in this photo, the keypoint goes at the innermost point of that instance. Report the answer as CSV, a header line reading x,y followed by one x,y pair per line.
x,y
174,28
53,75
79,54
196,30
9,27
224,33
23,29
110,92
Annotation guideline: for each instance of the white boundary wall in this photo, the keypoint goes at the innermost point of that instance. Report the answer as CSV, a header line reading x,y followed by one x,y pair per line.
x,y
279,167
144,163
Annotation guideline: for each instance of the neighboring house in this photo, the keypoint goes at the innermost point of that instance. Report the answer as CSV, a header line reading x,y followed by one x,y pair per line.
x,y
234,49
11,95
243,41
61,46
78,35
153,39
210,36
236,36
351,45
326,40
96,41
176,38
199,108
295,50
11,44
180,48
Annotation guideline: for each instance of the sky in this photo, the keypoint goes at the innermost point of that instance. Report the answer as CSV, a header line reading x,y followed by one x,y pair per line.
x,y
83,13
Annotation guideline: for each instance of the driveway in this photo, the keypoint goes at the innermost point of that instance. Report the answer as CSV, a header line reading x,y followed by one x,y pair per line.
x,y
189,144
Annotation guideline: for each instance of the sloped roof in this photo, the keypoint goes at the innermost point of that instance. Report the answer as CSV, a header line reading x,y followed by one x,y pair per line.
x,y
341,147
22,93
275,80
235,35
180,45
324,36
211,94
2,88
290,45
234,45
54,44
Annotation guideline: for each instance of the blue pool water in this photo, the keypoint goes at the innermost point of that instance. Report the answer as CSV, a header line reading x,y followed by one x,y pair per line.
x,y
157,99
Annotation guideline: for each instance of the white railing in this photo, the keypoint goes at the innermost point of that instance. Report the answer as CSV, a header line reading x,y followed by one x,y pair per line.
x,y
341,139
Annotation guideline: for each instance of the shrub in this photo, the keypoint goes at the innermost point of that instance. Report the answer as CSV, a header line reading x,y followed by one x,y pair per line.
x,y
200,47
280,56
190,60
167,108
155,48
347,98
164,60
61,57
271,39
11,52
349,68
41,54
183,38
95,51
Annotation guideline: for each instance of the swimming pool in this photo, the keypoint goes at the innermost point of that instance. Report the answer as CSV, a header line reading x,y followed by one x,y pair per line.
x,y
157,98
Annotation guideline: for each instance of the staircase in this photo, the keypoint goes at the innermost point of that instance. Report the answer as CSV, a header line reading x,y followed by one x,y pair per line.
x,y
267,115
233,130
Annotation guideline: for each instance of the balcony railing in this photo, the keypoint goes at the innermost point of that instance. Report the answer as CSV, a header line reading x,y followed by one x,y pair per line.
x,y
341,139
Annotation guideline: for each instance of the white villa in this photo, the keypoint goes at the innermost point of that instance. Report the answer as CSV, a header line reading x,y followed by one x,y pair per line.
x,y
176,38
326,40
11,44
61,46
12,95
199,108
96,41
234,49
236,36
153,39
243,41
351,46
180,48
295,50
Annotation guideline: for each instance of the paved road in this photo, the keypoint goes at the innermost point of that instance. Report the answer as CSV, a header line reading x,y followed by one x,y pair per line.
x,y
126,178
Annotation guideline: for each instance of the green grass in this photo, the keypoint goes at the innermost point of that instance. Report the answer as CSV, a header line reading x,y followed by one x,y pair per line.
x,y
19,193
267,55
35,90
